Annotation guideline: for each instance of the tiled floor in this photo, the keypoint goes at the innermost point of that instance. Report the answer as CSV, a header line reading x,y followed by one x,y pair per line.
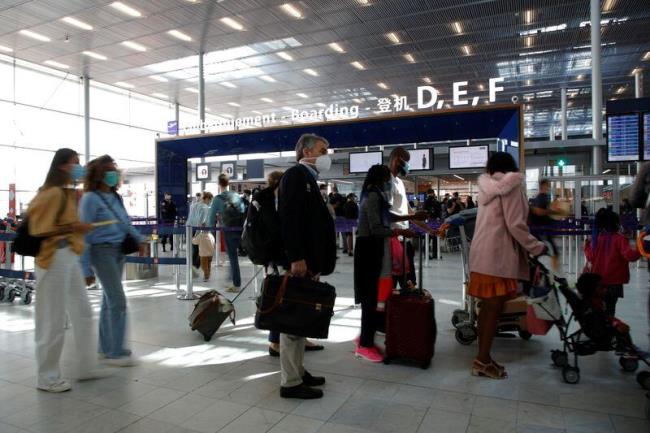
x,y
231,384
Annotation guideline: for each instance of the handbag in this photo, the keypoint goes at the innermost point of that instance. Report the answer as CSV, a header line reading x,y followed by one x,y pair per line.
x,y
130,244
27,245
295,306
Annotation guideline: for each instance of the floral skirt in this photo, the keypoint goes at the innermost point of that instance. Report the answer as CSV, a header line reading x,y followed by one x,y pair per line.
x,y
488,286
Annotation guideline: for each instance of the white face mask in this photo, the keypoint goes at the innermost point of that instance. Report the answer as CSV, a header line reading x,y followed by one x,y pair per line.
x,y
323,163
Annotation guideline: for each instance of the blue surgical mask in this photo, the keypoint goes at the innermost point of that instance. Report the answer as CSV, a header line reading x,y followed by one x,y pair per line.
x,y
111,178
78,172
406,168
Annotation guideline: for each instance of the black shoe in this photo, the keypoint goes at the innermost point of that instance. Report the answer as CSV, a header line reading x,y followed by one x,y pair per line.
x,y
274,353
314,348
310,380
301,391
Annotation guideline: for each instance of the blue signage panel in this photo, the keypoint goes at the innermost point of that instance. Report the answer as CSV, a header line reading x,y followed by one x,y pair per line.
x,y
172,127
623,137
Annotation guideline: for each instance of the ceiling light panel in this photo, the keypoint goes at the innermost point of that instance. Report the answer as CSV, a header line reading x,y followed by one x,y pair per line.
x,y
311,72
126,9
180,35
134,46
94,55
409,58
291,10
458,28
608,5
358,65
56,64
6,49
393,37
228,84
234,104
232,23
267,100
159,78
383,86
466,49
427,80
125,85
267,78
192,89
337,47
528,16
159,95
302,95
77,23
284,55
34,35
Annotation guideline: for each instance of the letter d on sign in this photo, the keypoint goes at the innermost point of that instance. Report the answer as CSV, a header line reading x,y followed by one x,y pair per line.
x,y
494,89
433,96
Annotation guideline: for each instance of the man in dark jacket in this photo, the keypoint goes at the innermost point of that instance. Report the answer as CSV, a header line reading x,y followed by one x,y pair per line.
x,y
167,216
310,243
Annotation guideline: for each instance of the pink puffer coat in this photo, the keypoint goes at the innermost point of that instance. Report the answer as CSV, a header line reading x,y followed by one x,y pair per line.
x,y
501,237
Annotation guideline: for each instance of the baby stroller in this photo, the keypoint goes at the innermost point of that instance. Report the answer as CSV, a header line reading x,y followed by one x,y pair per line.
x,y
513,317
595,334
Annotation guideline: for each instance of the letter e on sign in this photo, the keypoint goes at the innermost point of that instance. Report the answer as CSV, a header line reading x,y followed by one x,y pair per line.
x,y
458,93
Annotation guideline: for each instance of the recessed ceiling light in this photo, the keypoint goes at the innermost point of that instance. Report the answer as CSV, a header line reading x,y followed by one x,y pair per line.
x,y
528,41
392,36
126,9
134,46
192,89
529,82
56,64
337,47
291,10
580,77
363,2
232,23
234,104
357,100
6,49
34,35
481,87
311,72
179,35
230,116
320,104
609,5
466,49
268,100
427,80
286,56
77,23
228,84
256,112
267,78
635,70
383,86
647,56
458,28
94,55
528,16
159,95
409,58
125,85
302,95
358,65
620,90
159,78
287,108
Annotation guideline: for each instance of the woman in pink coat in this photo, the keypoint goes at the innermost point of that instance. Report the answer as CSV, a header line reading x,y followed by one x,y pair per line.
x,y
497,257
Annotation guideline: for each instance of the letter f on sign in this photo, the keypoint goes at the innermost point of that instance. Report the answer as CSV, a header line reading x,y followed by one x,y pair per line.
x,y
494,89
433,96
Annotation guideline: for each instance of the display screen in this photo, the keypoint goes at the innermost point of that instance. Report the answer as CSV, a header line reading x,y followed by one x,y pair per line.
x,y
646,136
203,172
623,137
361,162
421,159
468,156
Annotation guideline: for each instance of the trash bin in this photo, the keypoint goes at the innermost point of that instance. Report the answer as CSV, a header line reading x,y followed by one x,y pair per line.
x,y
142,271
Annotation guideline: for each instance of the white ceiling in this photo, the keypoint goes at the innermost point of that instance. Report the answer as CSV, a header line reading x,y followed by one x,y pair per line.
x,y
492,30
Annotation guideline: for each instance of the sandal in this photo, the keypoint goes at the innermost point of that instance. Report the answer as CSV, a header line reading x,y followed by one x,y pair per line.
x,y
487,370
499,366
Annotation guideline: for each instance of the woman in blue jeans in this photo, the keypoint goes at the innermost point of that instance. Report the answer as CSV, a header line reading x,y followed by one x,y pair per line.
x,y
103,207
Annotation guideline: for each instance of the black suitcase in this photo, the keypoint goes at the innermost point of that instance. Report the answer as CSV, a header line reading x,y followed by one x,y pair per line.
x,y
411,324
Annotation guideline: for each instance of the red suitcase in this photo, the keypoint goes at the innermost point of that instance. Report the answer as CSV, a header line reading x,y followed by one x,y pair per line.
x,y
411,325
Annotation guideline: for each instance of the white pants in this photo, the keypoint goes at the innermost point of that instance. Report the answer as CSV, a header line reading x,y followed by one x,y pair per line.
x,y
61,288
292,354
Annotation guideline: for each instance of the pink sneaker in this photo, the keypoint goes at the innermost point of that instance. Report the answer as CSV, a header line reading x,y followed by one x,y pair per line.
x,y
368,353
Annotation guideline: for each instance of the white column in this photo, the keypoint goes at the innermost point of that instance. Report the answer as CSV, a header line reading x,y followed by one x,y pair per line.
x,y
177,115
201,90
86,86
596,87
563,119
551,133
638,84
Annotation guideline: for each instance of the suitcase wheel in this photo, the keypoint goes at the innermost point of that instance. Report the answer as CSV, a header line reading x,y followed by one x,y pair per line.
x,y
207,337
386,361
425,365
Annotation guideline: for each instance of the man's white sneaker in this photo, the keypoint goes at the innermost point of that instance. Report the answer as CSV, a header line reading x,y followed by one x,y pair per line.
x,y
97,373
60,386
125,361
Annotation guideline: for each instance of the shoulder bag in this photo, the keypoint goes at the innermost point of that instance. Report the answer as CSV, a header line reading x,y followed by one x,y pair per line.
x,y
130,244
27,245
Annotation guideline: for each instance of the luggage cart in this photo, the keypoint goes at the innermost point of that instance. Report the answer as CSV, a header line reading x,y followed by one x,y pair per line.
x,y
512,319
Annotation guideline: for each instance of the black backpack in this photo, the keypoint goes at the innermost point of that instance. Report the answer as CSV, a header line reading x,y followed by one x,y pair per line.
x,y
28,245
232,217
261,237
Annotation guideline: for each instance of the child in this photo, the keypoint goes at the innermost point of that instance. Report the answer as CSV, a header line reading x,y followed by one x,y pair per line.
x,y
609,253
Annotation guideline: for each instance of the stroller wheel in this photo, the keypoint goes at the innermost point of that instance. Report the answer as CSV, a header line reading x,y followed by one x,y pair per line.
x,y
559,358
628,364
525,335
571,375
459,316
27,299
466,334
643,379
11,295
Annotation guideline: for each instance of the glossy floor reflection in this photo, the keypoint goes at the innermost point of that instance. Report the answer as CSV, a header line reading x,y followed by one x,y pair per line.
x,y
231,384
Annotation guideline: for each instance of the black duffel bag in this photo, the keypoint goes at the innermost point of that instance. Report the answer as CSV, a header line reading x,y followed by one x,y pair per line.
x,y
295,306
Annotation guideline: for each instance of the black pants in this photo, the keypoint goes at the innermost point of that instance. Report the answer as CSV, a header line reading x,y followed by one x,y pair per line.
x,y
163,241
196,260
611,298
371,322
410,275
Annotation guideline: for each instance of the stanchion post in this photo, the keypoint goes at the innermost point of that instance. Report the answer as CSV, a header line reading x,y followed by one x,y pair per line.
x,y
189,290
438,254
427,247
177,268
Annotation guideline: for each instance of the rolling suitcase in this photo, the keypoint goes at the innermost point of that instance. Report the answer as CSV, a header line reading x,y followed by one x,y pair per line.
x,y
411,324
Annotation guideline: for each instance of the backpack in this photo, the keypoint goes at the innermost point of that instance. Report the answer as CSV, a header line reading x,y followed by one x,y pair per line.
x,y
232,217
28,245
254,239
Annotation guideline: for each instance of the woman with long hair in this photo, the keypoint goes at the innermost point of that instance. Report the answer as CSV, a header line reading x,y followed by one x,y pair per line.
x,y
60,287
204,238
101,205
372,258
497,259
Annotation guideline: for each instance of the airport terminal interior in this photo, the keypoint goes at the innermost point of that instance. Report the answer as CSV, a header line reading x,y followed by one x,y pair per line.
x,y
181,93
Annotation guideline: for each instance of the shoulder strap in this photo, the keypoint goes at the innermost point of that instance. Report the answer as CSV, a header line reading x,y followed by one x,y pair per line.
x,y
109,207
62,206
